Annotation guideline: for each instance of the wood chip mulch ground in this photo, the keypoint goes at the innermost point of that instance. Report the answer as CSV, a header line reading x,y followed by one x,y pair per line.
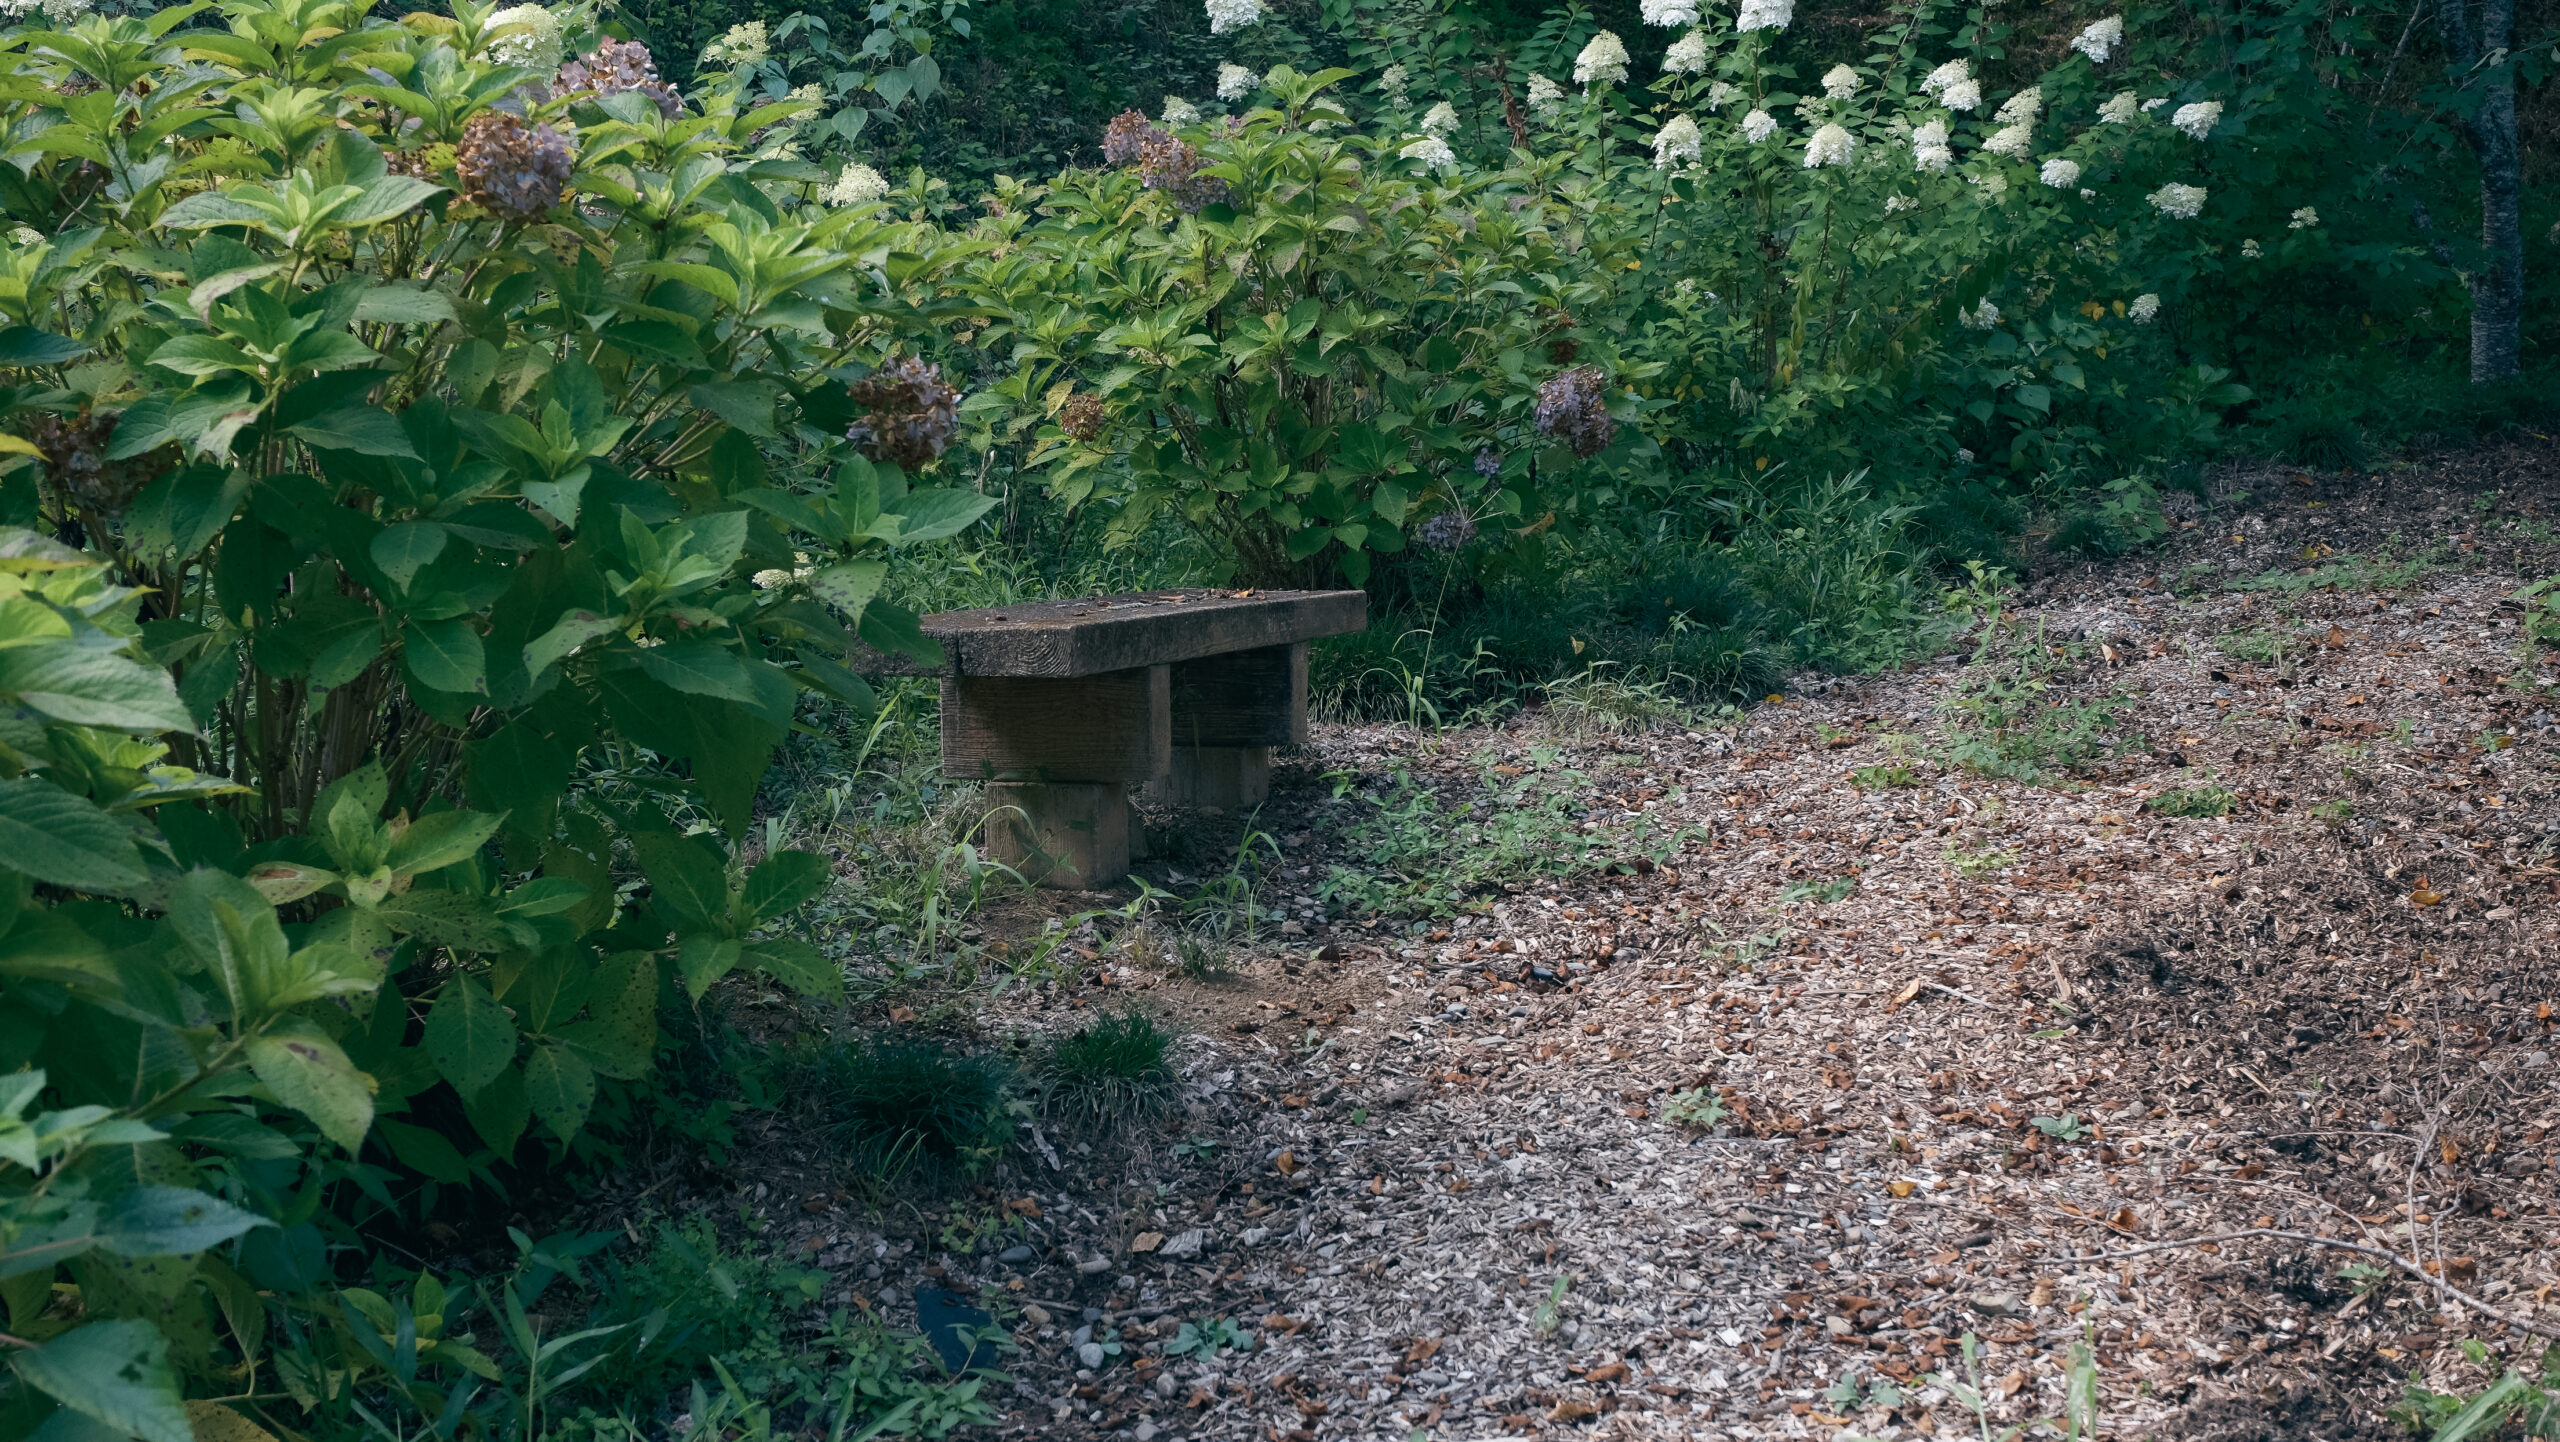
x,y
1461,1180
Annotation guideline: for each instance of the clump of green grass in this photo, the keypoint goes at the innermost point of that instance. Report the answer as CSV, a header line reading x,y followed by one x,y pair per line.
x,y
2322,440
895,1104
1118,1067
2263,648
2192,801
1884,775
1601,699
1975,862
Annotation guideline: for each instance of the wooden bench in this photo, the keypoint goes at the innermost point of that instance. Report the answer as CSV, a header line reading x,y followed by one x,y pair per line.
x,y
1064,707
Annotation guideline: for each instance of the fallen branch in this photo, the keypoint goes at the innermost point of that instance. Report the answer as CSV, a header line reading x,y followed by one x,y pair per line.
x,y
2443,1288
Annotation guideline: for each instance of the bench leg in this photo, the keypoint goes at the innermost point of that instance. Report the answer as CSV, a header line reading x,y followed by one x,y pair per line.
x,y
1219,778
1071,835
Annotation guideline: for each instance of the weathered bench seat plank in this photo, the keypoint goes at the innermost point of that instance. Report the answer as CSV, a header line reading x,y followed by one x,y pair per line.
x,y
1066,639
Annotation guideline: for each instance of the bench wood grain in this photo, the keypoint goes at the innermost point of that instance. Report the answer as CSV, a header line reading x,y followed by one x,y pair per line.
x,y
1065,639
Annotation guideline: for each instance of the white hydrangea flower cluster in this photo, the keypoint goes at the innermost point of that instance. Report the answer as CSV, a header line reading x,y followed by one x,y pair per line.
x,y
1545,97
1432,151
2178,202
60,13
743,45
1983,316
1687,55
1831,145
1678,143
1765,15
1893,203
2017,116
1993,183
1758,126
1441,120
1603,60
2251,250
2013,141
1954,85
1235,82
858,185
1840,82
1226,15
2059,173
2305,219
1178,111
1393,81
1720,95
2124,109
2198,120
1929,148
1667,13
526,35
2100,40
2145,309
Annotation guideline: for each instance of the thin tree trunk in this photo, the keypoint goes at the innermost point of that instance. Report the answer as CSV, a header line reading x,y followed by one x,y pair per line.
x,y
2476,36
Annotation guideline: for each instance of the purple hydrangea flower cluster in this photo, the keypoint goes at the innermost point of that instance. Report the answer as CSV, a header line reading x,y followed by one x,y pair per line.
x,y
512,169
1447,531
1488,462
1572,409
1123,138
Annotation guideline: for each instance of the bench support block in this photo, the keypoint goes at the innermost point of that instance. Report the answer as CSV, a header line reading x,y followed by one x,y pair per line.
x,y
1070,835
1111,727
1217,778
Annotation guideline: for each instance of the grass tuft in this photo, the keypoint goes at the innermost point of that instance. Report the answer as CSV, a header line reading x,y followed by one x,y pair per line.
x,y
1118,1067
2322,441
2196,801
895,1104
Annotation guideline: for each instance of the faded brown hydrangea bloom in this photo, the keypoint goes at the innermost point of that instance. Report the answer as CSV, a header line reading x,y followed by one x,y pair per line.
x,y
1081,416
620,67
512,169
1125,135
1164,162
1173,166
75,458
913,413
